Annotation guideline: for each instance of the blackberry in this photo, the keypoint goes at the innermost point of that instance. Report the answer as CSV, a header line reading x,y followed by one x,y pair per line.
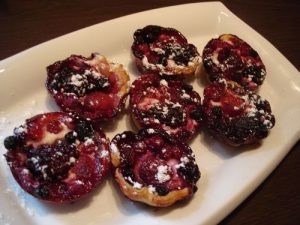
x,y
70,137
162,191
84,129
196,114
190,171
11,142
42,191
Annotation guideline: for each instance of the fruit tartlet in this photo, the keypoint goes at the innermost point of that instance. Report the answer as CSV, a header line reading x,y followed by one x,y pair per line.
x,y
232,58
234,115
164,51
57,157
93,87
165,103
153,168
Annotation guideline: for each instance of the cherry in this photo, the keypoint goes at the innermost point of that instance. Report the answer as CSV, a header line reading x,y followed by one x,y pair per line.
x,y
99,101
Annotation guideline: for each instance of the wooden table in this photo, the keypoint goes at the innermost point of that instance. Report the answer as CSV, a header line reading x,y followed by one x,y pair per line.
x,y
24,24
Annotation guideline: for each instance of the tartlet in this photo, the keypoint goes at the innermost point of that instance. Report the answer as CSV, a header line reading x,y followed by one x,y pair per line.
x,y
164,51
166,103
57,157
234,115
153,168
93,87
231,58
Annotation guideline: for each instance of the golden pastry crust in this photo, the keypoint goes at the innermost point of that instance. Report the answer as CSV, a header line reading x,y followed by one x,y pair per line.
x,y
146,196
226,37
106,67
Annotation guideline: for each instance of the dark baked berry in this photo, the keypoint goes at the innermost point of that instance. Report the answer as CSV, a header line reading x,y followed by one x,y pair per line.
x,y
42,192
196,114
11,142
84,130
71,137
187,87
162,191
189,171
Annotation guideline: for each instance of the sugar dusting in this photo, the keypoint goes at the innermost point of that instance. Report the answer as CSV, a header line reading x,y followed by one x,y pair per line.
x,y
135,184
162,174
17,200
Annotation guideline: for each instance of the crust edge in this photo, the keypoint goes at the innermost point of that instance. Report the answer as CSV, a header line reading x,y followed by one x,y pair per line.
x,y
145,196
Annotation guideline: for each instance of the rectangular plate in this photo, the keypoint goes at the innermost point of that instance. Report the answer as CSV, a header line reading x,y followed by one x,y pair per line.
x,y
229,175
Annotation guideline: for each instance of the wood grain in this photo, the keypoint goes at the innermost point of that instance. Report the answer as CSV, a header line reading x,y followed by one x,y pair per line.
x,y
24,24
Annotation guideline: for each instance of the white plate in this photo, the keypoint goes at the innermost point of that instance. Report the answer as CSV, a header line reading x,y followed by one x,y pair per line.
x,y
228,175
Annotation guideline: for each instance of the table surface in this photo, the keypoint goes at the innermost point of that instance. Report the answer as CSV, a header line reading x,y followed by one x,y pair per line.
x,y
24,24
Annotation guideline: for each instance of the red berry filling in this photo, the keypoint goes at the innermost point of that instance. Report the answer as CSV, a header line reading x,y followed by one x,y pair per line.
x,y
153,159
85,86
231,58
167,104
57,157
235,115
161,50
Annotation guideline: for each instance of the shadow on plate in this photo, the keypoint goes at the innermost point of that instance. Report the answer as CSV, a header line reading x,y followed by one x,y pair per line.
x,y
112,124
51,104
223,150
132,69
202,77
125,206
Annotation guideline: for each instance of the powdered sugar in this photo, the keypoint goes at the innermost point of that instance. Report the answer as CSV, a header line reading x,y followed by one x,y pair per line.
x,y
162,174
21,129
114,148
171,53
151,189
104,154
163,82
88,141
135,184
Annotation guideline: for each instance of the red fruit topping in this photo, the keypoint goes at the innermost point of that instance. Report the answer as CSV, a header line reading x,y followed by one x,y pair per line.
x,y
231,58
164,51
152,159
234,115
57,157
167,104
99,103
90,87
